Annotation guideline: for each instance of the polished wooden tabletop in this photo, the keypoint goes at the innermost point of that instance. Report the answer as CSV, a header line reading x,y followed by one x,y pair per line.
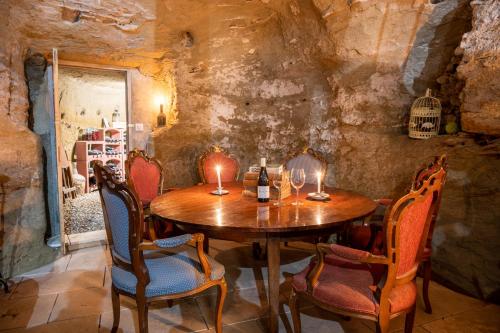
x,y
236,212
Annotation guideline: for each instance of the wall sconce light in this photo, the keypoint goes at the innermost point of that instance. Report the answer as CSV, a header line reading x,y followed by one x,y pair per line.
x,y
161,119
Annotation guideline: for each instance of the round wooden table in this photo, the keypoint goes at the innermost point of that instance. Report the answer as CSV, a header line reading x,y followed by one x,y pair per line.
x,y
240,218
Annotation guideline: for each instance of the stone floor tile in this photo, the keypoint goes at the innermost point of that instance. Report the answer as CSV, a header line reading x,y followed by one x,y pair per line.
x,y
57,266
26,312
88,324
484,319
80,303
312,320
183,316
92,258
53,283
445,302
240,305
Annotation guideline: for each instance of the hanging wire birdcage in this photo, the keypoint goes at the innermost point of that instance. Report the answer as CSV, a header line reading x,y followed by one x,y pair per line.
x,y
425,117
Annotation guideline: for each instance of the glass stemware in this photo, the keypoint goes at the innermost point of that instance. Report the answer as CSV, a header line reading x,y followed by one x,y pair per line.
x,y
277,184
297,179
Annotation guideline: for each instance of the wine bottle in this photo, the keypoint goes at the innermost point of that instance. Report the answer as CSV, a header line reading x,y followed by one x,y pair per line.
x,y
263,183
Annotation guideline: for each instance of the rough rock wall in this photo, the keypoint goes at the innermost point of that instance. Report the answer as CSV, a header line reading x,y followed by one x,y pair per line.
x,y
480,68
264,77
22,207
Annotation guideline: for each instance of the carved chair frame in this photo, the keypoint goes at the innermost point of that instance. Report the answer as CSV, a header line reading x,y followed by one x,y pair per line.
x,y
204,156
313,153
390,280
137,246
137,153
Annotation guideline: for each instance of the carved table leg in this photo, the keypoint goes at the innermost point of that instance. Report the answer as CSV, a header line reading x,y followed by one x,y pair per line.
x,y
273,264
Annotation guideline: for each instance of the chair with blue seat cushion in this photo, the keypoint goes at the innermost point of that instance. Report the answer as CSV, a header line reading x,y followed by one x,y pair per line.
x,y
148,271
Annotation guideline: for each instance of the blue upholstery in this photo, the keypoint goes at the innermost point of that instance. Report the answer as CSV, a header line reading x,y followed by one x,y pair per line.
x,y
173,241
117,214
171,272
310,165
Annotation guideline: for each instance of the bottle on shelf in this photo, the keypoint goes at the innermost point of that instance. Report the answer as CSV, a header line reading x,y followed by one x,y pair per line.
x,y
263,183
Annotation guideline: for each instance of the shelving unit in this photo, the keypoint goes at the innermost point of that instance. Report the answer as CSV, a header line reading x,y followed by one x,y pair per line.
x,y
107,140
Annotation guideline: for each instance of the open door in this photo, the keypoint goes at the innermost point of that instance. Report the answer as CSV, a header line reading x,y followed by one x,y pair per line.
x,y
62,163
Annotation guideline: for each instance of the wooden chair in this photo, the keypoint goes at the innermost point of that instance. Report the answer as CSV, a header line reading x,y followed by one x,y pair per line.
x,y
216,156
369,235
145,175
309,160
165,269
360,284
230,169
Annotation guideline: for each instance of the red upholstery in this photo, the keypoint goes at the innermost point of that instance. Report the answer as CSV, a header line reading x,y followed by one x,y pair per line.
x,y
229,167
351,287
146,179
410,232
342,287
348,253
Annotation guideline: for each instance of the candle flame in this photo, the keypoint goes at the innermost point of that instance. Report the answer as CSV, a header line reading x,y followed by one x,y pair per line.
x,y
217,168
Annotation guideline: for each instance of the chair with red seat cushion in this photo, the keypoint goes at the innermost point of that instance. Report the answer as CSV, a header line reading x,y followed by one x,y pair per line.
x,y
369,235
145,176
215,156
342,279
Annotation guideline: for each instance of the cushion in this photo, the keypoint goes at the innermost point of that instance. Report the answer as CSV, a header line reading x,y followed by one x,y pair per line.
x,y
171,272
350,286
146,179
118,219
229,168
342,287
310,165
411,232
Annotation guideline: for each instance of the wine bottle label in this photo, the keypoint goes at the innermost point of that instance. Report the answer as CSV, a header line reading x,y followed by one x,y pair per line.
x,y
263,192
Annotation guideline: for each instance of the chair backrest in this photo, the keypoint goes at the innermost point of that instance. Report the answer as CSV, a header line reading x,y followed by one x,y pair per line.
x,y
230,167
122,215
309,160
420,177
407,225
144,174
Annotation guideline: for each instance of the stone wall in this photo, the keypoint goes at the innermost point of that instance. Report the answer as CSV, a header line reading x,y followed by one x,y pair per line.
x,y
261,78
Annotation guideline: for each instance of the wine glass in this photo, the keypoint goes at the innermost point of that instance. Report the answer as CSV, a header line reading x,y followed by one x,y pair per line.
x,y
277,184
297,179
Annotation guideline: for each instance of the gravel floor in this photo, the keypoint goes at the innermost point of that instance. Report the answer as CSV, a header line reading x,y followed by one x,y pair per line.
x,y
83,214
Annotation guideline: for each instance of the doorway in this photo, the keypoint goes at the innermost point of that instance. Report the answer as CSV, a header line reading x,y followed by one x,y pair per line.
x,y
93,110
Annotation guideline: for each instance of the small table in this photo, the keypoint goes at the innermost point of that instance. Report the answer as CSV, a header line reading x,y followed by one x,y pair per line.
x,y
240,218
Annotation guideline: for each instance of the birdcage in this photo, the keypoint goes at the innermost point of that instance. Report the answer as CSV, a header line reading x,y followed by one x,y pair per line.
x,y
425,117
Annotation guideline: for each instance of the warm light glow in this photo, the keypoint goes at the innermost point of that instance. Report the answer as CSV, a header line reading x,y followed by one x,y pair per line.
x,y
219,183
218,215
318,174
159,100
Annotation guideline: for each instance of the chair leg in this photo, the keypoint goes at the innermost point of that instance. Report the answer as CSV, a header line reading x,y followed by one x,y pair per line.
x,y
206,244
221,296
115,299
142,309
293,304
425,287
383,324
410,319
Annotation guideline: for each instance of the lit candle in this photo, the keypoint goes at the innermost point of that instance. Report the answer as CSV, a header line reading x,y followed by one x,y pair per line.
x,y
318,174
217,169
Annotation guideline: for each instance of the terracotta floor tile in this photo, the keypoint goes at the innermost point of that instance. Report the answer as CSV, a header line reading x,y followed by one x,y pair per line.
x,y
81,303
53,283
79,325
26,312
481,320
183,316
